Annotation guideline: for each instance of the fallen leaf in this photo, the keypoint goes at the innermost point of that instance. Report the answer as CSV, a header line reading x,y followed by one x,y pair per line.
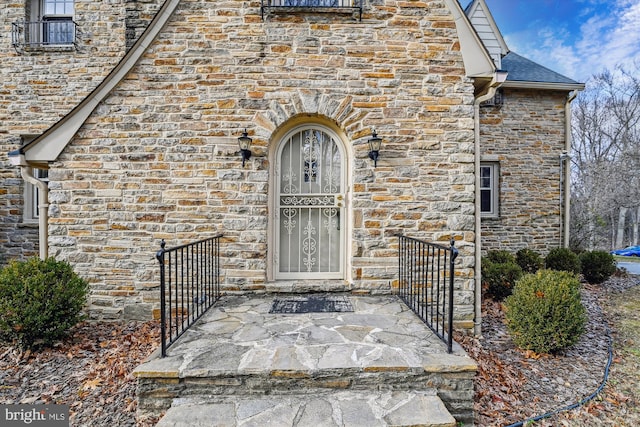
x,y
92,384
530,354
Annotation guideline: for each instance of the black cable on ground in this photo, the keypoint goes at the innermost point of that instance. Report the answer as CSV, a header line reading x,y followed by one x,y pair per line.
x,y
583,401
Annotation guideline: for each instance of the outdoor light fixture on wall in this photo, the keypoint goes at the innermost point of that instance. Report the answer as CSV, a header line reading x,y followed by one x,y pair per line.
x,y
374,147
245,144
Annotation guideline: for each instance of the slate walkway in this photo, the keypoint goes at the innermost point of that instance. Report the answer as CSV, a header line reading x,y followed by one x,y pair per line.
x,y
374,354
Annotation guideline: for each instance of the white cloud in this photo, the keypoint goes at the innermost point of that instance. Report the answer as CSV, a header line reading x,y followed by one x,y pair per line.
x,y
609,36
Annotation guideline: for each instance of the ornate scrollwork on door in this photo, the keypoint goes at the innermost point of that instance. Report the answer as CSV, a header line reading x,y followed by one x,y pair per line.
x,y
309,205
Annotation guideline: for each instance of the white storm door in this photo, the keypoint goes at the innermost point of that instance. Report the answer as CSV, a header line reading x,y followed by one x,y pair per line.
x,y
310,203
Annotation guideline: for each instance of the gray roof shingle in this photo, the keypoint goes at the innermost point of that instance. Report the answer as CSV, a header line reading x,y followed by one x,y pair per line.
x,y
521,69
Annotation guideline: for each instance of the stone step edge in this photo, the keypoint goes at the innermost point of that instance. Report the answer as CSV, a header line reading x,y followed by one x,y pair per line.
x,y
334,408
171,368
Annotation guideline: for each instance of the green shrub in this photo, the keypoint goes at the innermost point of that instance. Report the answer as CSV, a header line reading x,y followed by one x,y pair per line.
x,y
544,313
499,278
39,301
500,257
563,259
597,266
529,260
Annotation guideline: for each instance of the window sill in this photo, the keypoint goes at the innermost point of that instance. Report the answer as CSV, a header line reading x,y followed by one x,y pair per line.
x,y
28,224
489,217
47,48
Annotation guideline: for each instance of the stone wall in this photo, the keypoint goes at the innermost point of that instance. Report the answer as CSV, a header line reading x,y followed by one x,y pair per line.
x,y
139,14
39,86
158,159
527,136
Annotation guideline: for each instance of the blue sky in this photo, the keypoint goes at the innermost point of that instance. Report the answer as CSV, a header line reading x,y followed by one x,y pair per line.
x,y
576,38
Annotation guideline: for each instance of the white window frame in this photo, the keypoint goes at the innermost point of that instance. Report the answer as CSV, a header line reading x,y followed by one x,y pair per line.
x,y
490,184
31,211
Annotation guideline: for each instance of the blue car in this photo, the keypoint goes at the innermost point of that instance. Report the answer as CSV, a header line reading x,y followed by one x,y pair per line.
x,y
630,251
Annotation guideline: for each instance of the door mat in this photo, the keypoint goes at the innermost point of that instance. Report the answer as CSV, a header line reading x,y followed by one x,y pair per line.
x,y
311,304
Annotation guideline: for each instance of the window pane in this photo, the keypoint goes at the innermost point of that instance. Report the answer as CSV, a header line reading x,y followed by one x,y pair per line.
x,y
59,31
35,213
58,7
485,177
485,201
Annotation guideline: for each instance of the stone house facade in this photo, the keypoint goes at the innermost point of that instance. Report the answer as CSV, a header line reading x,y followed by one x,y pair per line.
x,y
138,132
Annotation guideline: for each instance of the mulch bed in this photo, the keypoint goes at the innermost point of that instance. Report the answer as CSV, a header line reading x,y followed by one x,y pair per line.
x,y
91,370
513,385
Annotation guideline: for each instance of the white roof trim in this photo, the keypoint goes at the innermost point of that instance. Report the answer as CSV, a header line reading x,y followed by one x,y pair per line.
x,y
543,85
492,23
48,146
477,61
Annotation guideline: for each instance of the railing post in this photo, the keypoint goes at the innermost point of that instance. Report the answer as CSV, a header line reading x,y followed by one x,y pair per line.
x,y
163,319
453,254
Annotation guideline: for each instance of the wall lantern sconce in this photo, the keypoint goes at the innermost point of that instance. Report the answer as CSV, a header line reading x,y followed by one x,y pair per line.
x,y
374,147
245,144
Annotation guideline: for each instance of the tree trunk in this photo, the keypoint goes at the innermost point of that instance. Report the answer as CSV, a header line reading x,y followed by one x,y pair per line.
x,y
622,215
591,236
636,220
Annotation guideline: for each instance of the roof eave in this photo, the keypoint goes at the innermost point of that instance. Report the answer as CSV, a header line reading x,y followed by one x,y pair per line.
x,y
543,85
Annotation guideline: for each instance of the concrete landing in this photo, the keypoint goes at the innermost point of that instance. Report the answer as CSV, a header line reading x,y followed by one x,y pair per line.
x,y
239,349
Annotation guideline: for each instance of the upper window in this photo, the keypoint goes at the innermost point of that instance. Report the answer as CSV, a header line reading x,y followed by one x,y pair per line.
x,y
57,22
58,7
489,190
48,23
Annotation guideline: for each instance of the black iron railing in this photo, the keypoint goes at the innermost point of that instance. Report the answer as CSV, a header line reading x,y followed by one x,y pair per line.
x,y
312,6
189,285
52,32
426,274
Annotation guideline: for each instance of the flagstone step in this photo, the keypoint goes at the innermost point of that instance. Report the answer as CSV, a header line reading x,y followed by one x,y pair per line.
x,y
246,349
338,408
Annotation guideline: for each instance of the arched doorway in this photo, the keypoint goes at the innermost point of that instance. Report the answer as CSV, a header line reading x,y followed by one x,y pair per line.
x,y
309,194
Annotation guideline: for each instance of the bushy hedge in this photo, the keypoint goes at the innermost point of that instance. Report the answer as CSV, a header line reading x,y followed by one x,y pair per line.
x,y
563,259
499,274
500,257
597,266
544,313
529,260
39,301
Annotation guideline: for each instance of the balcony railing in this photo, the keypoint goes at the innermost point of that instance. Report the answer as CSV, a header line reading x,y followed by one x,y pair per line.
x,y
37,34
336,6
